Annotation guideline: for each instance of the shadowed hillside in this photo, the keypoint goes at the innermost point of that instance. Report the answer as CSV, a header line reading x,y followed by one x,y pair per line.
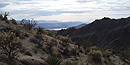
x,y
104,33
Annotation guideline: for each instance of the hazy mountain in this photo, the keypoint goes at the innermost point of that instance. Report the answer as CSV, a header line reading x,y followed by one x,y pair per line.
x,y
56,24
50,21
104,33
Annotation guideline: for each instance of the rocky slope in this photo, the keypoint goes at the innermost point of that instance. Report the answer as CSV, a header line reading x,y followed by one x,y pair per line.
x,y
49,49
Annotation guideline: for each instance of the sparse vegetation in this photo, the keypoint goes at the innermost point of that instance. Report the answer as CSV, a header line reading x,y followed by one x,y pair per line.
x,y
10,44
50,34
125,54
95,56
64,39
28,23
39,30
53,60
85,44
39,37
38,47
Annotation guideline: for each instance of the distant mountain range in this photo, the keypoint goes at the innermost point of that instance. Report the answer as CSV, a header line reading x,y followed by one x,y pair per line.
x,y
56,24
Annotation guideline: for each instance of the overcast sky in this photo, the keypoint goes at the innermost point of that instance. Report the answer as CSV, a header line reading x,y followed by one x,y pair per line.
x,y
66,10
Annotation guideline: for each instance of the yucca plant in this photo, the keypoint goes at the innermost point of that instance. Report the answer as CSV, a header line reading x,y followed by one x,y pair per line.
x,y
5,15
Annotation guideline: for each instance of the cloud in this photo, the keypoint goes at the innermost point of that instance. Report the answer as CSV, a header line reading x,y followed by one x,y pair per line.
x,y
65,10
3,5
85,1
50,13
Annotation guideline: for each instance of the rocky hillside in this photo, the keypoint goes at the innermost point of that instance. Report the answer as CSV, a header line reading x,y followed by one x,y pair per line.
x,y
21,45
104,33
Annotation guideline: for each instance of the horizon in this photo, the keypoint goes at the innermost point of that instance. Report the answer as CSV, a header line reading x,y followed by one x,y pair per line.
x,y
66,11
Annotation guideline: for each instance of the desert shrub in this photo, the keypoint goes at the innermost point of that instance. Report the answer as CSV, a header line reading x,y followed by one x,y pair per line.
x,y
95,56
9,44
7,29
70,63
107,53
39,30
39,37
51,34
7,61
53,60
13,21
34,40
64,39
38,40
125,54
3,58
74,51
28,23
20,34
85,44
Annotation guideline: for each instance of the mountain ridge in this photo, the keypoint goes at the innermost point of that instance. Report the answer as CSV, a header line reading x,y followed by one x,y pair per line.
x,y
37,46
103,33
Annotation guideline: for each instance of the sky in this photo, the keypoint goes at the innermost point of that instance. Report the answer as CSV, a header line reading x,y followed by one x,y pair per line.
x,y
66,10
